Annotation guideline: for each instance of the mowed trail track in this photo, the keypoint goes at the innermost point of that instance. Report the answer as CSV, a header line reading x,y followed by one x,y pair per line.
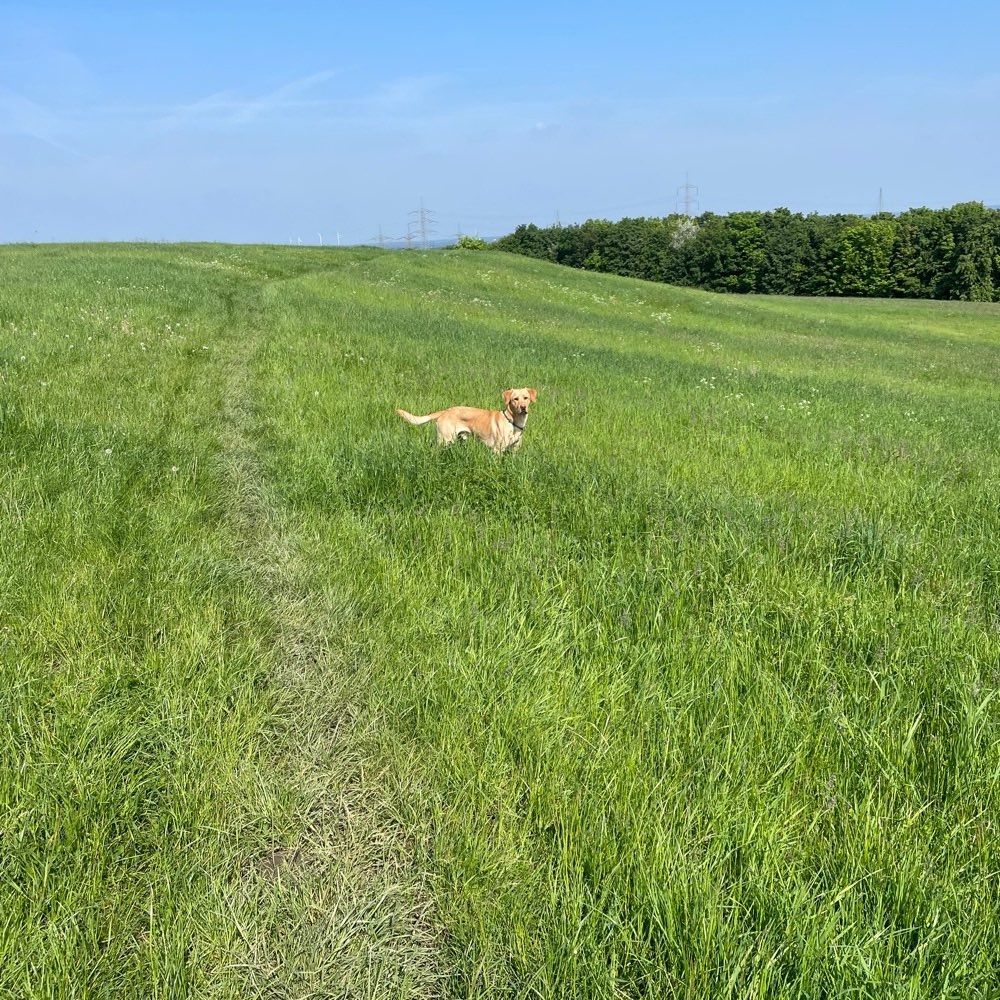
x,y
351,915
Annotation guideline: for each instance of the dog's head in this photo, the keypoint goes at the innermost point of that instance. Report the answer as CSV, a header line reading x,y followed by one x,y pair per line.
x,y
518,400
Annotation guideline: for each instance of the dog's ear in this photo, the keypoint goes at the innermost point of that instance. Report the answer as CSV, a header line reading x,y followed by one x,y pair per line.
x,y
531,395
507,393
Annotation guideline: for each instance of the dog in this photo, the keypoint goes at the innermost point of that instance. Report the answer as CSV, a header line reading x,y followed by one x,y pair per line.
x,y
500,430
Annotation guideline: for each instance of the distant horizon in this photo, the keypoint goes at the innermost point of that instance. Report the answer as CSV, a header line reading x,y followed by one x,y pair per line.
x,y
400,243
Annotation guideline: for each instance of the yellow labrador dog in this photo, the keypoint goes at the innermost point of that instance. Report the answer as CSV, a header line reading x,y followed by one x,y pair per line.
x,y
499,429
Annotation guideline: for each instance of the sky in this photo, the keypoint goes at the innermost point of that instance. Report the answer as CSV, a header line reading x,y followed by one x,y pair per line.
x,y
330,122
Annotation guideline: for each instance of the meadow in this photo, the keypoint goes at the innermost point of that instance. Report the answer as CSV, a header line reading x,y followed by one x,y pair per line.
x,y
694,696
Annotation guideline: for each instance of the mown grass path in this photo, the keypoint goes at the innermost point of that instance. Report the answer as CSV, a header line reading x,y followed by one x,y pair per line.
x,y
696,696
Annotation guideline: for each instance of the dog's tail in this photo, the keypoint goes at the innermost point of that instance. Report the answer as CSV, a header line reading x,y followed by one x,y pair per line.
x,y
411,419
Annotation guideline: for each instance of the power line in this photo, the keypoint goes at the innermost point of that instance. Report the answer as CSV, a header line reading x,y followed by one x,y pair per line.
x,y
684,195
409,237
424,220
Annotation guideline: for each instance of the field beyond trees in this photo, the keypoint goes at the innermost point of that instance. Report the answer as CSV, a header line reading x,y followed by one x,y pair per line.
x,y
695,696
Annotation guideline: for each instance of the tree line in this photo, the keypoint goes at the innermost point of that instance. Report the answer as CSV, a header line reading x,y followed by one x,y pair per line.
x,y
951,253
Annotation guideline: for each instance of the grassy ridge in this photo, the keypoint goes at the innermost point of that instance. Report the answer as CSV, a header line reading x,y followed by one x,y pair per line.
x,y
695,696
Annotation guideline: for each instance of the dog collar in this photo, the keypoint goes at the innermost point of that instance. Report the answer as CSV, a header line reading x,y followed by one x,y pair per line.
x,y
510,420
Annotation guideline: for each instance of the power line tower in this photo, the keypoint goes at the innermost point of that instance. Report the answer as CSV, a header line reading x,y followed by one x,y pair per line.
x,y
424,220
687,195
409,237
380,239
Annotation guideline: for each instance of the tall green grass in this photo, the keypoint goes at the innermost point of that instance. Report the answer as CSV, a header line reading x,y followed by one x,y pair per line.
x,y
694,696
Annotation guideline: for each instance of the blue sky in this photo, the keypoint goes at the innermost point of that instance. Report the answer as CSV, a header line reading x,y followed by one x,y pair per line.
x,y
286,122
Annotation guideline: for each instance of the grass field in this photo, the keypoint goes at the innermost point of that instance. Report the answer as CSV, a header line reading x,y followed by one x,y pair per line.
x,y
695,696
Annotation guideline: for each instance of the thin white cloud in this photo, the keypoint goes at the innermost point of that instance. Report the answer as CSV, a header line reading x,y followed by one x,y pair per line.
x,y
405,92
415,98
222,105
283,97
227,107
21,116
